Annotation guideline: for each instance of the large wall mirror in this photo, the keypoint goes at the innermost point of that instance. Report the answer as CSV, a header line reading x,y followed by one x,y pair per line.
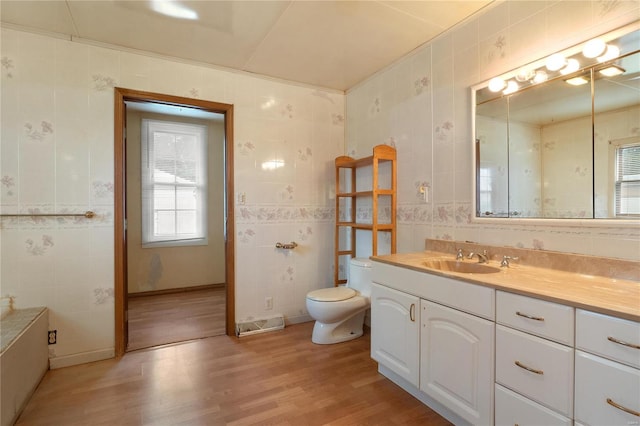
x,y
560,138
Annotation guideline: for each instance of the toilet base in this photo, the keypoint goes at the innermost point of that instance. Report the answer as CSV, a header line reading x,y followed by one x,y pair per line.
x,y
349,329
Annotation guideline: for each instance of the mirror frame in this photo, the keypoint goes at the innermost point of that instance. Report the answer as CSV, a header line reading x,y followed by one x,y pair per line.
x,y
568,222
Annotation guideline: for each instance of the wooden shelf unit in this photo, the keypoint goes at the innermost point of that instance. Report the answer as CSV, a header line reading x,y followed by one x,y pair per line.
x,y
381,154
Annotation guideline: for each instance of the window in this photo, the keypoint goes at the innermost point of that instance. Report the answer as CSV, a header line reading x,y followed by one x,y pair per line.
x,y
174,183
627,180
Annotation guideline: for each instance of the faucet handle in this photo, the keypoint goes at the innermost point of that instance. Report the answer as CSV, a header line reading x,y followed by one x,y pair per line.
x,y
460,254
506,259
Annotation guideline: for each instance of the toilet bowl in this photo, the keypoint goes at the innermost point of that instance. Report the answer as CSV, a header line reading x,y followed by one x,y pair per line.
x,y
339,311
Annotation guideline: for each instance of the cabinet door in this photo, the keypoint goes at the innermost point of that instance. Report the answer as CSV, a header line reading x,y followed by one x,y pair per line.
x,y
456,361
607,392
395,335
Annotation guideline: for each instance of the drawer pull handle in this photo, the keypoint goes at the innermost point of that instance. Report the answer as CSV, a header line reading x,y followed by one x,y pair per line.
x,y
623,343
412,312
529,316
622,407
533,370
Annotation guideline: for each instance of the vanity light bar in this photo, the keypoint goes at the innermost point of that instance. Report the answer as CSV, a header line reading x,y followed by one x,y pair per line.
x,y
562,64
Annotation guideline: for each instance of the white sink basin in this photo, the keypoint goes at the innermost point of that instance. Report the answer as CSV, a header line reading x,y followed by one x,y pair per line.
x,y
460,266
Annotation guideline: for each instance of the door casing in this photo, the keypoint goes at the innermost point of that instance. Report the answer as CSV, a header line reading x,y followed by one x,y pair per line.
x,y
121,96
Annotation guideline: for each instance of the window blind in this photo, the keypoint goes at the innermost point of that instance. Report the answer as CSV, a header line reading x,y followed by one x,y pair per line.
x,y
627,185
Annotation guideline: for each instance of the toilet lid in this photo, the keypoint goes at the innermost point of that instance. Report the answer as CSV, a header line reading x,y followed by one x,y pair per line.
x,y
334,294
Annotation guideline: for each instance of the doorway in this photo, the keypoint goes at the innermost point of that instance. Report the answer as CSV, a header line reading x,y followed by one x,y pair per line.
x,y
124,97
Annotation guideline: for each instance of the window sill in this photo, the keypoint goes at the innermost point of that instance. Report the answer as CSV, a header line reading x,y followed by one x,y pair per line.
x,y
177,243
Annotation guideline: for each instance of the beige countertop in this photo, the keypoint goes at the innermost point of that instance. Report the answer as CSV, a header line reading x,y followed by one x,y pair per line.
x,y
611,296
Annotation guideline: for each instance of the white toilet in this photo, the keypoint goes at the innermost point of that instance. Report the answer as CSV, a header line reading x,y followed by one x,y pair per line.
x,y
339,311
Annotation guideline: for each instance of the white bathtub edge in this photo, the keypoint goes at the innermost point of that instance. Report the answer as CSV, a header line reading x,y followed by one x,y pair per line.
x,y
23,364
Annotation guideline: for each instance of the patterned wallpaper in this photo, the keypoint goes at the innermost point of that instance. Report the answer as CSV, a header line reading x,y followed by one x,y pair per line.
x,y
57,156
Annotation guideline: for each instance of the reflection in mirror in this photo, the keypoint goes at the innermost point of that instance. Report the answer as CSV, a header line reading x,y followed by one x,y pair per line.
x,y
492,158
545,150
617,140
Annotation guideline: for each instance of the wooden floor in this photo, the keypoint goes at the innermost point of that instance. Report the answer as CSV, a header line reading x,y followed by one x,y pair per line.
x,y
275,378
175,317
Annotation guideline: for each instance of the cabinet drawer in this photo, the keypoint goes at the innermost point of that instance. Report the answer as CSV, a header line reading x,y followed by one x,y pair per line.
x,y
472,298
515,409
599,380
537,368
608,336
546,319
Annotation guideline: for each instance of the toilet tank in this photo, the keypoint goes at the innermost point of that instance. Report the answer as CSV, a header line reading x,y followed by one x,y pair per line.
x,y
360,275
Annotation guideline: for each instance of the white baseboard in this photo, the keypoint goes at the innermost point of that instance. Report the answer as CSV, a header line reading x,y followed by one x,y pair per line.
x,y
81,358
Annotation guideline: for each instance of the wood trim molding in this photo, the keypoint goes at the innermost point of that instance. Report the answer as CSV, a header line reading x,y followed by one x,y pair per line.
x,y
177,290
122,95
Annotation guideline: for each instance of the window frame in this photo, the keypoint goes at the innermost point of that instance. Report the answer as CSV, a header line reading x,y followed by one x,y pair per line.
x,y
148,182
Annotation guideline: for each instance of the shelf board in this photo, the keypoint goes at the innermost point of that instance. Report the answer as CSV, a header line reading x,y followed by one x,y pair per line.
x,y
381,153
354,194
379,226
365,193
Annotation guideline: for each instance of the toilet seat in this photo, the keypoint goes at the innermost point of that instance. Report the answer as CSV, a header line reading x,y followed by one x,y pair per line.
x,y
335,294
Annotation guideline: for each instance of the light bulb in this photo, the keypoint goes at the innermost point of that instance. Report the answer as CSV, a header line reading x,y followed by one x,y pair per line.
x,y
524,74
540,77
612,71
611,53
577,81
556,61
572,66
512,86
593,48
496,84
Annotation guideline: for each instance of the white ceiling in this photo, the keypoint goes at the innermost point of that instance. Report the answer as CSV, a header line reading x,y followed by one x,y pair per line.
x,y
332,44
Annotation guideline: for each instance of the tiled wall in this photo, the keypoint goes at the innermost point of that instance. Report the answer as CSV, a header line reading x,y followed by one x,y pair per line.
x,y
422,106
57,155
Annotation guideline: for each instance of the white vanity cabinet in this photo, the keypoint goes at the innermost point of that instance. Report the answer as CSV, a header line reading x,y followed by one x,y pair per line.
x,y
437,334
482,356
456,361
607,385
395,331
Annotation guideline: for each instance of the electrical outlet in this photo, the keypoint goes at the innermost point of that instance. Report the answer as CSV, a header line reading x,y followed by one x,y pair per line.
x,y
268,303
52,337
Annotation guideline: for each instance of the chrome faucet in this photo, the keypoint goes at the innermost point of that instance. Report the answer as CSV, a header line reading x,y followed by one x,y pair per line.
x,y
506,259
482,257
460,255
